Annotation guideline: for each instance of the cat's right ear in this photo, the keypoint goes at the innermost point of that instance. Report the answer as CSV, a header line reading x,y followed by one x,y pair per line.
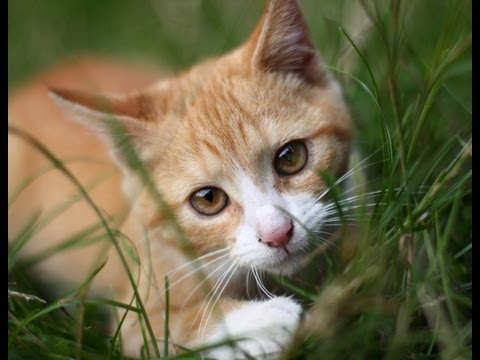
x,y
117,119
281,43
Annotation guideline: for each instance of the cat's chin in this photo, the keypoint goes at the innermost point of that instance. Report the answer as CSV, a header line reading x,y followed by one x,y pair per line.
x,y
286,265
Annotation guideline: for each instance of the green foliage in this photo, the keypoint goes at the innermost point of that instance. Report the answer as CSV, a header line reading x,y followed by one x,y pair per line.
x,y
404,289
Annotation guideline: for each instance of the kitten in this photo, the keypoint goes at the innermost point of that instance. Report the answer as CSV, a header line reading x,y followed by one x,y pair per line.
x,y
234,145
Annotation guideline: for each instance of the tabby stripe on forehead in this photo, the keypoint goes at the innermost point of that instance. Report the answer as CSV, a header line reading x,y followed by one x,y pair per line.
x,y
238,107
342,133
213,149
242,130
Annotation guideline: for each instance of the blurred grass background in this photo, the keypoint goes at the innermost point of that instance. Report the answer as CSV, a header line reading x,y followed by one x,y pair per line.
x,y
409,89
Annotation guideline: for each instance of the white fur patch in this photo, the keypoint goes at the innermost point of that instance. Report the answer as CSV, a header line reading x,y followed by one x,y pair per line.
x,y
268,209
266,328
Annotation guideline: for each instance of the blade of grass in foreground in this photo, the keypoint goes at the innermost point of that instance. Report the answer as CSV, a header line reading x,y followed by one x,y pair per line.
x,y
167,310
23,236
82,238
49,155
40,172
386,136
364,61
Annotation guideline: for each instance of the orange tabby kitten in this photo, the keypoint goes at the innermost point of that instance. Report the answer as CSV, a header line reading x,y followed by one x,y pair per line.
x,y
234,145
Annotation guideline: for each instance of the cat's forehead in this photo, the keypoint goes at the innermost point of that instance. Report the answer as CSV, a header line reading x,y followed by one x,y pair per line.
x,y
260,112
235,122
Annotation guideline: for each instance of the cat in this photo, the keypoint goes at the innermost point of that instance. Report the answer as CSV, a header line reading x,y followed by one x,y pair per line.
x,y
234,146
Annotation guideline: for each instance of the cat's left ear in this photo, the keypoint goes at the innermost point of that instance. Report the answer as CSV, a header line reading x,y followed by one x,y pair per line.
x,y
281,43
115,118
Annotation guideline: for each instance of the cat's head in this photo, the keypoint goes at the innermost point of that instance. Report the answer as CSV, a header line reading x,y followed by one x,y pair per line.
x,y
235,144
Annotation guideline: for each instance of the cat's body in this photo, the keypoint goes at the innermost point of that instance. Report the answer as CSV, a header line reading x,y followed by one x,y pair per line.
x,y
234,145
31,109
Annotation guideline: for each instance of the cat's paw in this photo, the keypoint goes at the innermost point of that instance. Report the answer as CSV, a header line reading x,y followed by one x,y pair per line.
x,y
265,329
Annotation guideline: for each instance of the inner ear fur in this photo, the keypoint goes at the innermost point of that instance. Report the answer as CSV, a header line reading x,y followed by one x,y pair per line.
x,y
135,106
117,119
281,43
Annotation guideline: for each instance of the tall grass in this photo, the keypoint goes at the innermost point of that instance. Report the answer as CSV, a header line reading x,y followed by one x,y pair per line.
x,y
402,288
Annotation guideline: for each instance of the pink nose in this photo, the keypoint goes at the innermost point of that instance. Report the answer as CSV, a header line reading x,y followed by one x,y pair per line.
x,y
279,237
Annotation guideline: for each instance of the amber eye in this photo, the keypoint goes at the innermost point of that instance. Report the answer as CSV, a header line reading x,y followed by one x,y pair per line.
x,y
209,200
291,158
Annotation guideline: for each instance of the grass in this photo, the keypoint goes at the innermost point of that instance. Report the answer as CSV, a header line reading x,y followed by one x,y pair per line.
x,y
404,289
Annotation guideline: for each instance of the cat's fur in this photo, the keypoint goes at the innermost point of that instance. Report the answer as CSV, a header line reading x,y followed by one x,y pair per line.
x,y
218,124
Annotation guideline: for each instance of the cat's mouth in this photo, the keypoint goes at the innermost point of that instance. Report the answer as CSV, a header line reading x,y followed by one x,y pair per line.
x,y
285,248
285,260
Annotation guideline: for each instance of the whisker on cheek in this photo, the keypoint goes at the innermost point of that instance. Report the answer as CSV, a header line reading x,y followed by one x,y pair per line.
x,y
208,297
208,277
260,284
205,324
198,268
198,259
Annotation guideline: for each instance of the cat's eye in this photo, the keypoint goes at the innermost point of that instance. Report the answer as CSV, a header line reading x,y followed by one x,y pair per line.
x,y
209,200
291,158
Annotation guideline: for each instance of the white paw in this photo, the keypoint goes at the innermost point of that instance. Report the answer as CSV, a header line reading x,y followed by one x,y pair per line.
x,y
266,328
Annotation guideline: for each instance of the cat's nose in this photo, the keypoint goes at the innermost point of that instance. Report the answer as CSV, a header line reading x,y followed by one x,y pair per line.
x,y
279,237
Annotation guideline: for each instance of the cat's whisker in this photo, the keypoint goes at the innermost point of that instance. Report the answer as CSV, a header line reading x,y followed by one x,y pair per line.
x,y
260,284
208,296
352,199
301,224
247,287
318,232
261,274
347,212
216,300
210,275
334,211
319,240
198,259
323,240
218,283
377,192
362,197
358,167
343,217
224,280
199,268
194,263
153,281
338,224
359,197
340,221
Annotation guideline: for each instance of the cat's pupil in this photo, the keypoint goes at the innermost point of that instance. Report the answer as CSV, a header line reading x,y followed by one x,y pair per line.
x,y
288,153
208,195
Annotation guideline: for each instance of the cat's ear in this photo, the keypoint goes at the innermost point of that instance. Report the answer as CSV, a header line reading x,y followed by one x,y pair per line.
x,y
117,119
281,43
